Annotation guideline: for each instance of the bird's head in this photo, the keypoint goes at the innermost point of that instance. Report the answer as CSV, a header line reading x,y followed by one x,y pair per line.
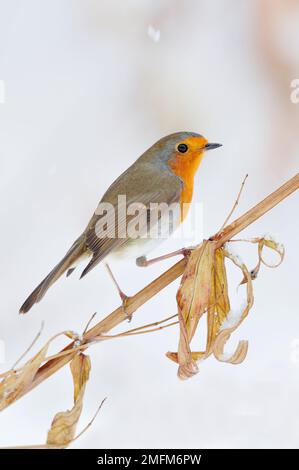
x,y
183,151
191,145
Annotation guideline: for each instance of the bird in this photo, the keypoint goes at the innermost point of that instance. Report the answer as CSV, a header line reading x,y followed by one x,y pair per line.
x,y
163,174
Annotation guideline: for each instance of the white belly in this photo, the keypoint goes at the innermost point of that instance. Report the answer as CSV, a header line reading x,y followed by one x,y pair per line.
x,y
134,248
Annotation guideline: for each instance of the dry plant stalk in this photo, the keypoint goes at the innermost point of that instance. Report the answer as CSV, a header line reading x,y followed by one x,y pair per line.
x,y
203,290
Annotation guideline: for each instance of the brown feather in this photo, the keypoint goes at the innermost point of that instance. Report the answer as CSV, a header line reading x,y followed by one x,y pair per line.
x,y
157,187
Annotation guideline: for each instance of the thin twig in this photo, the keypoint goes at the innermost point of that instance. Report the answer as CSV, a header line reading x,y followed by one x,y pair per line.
x,y
30,346
90,422
253,214
235,204
127,333
156,323
88,323
96,339
62,446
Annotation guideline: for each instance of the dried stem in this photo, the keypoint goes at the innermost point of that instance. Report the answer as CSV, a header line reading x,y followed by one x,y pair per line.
x,y
235,204
134,302
29,347
257,211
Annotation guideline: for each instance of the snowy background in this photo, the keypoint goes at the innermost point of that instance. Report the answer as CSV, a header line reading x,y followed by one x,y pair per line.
x,y
89,85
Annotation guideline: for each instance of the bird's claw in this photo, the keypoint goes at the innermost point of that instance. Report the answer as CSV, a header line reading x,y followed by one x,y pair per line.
x,y
142,261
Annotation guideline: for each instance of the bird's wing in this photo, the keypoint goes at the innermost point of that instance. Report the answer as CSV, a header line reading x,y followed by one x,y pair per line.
x,y
161,188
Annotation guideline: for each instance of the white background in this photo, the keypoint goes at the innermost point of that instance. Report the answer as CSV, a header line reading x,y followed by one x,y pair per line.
x,y
87,91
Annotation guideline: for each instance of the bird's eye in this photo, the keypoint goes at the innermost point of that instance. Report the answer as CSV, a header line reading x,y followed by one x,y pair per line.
x,y
182,148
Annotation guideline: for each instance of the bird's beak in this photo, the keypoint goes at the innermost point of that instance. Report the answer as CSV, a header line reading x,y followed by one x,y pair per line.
x,y
212,146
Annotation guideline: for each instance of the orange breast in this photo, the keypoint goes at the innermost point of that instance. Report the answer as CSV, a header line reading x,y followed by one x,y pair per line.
x,y
185,167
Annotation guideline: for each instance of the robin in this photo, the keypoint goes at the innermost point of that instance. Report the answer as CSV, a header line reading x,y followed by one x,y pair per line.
x,y
164,174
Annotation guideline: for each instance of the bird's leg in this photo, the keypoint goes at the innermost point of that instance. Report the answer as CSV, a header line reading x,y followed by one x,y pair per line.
x,y
144,262
123,296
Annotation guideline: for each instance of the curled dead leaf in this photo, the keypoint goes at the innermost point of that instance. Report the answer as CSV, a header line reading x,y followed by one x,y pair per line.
x,y
204,290
16,381
269,242
225,331
64,424
193,299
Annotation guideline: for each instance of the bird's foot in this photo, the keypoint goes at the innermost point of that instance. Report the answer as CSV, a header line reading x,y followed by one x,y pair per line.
x,y
123,296
142,261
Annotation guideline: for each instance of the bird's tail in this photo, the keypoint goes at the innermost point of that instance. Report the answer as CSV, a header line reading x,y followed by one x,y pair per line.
x,y
74,253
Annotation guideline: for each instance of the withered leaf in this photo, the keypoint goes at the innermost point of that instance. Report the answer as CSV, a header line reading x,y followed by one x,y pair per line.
x,y
219,305
224,334
204,289
17,381
64,424
193,299
269,242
